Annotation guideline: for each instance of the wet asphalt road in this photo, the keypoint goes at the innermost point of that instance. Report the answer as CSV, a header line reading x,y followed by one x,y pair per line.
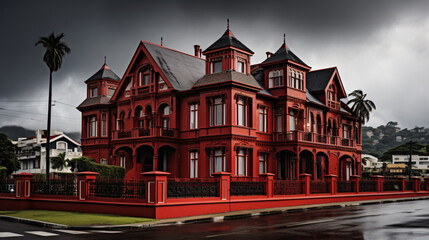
x,y
399,220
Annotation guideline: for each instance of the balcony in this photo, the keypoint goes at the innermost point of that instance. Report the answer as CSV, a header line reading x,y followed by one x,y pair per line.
x,y
144,133
314,137
334,105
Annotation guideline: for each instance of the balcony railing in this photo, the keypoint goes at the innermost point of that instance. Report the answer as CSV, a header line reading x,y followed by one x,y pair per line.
x,y
144,132
334,105
314,137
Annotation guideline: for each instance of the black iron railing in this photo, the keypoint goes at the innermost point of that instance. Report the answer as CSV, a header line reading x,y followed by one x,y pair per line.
x,y
345,186
59,187
7,186
367,186
392,185
144,132
192,188
423,186
240,186
409,185
287,187
125,189
167,132
124,134
319,186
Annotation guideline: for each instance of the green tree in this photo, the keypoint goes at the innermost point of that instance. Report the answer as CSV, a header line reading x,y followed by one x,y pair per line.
x,y
360,107
53,57
8,157
59,162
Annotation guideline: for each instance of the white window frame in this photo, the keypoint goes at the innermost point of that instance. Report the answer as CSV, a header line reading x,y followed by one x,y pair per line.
x,y
193,116
193,164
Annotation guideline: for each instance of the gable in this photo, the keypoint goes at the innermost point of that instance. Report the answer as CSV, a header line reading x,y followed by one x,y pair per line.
x,y
320,80
335,79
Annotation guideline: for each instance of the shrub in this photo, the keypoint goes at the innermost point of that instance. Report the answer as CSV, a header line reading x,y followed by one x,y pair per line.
x,y
3,172
105,171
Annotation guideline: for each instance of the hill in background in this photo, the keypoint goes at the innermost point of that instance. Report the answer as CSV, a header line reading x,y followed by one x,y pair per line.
x,y
15,132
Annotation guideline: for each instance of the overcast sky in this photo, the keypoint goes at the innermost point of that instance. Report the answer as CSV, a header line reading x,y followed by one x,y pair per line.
x,y
381,47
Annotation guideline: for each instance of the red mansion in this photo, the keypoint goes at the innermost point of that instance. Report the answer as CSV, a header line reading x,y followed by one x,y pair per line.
x,y
194,115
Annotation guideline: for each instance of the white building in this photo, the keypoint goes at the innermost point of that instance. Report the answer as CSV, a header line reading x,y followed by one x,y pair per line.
x,y
418,162
371,163
31,151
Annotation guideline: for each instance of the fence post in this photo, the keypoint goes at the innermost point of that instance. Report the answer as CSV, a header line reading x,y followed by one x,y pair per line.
x,y
83,180
156,186
379,185
355,179
305,177
403,182
416,183
22,184
332,179
224,179
427,183
269,179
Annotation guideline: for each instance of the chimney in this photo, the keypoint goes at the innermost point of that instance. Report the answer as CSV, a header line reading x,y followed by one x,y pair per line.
x,y
269,54
197,50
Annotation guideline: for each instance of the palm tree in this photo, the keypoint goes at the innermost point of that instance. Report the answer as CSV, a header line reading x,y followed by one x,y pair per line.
x,y
361,108
59,162
53,57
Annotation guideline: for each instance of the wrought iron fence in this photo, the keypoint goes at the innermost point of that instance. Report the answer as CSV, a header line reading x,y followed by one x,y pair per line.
x,y
7,186
124,189
367,185
247,186
192,188
124,134
319,186
423,186
392,185
345,186
287,187
409,185
144,132
59,187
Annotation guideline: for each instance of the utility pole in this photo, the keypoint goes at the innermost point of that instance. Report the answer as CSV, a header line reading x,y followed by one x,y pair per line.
x,y
409,160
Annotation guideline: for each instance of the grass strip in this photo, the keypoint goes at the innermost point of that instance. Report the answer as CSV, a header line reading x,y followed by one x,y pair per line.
x,y
74,218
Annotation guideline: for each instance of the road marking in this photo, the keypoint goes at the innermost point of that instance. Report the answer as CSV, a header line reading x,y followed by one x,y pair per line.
x,y
9,234
309,223
220,235
42,233
72,231
104,231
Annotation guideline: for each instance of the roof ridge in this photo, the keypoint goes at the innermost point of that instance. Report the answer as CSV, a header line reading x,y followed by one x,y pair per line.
x,y
323,69
172,49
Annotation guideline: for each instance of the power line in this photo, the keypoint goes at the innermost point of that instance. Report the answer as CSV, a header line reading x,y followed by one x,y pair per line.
x,y
55,101
5,100
20,117
36,113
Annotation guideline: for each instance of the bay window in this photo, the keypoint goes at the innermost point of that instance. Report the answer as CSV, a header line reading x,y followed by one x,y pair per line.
x,y
292,121
275,78
217,158
262,163
217,111
263,119
216,66
243,114
93,127
242,162
279,119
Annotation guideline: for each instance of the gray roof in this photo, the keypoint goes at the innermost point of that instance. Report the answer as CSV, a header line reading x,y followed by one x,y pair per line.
x,y
226,76
103,99
104,73
258,74
182,70
312,98
318,80
228,40
284,53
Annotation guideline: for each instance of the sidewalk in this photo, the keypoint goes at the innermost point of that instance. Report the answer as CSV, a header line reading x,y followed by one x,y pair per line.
x,y
218,217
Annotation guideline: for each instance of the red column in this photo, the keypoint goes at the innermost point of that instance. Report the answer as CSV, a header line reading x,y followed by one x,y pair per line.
x,y
305,177
332,179
403,184
22,184
224,184
156,186
427,183
379,179
416,183
355,179
83,180
269,179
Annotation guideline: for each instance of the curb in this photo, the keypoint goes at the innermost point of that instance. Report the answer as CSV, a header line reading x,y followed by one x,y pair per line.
x,y
217,218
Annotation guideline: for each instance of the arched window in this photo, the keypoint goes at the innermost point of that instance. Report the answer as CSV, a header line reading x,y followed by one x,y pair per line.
x,y
165,116
139,117
120,121
148,117
144,77
275,78
332,93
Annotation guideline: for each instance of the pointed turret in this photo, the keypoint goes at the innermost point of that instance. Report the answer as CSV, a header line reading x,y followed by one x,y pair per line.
x,y
284,54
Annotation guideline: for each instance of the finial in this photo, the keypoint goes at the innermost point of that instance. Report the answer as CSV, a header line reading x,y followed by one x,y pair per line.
x,y
227,23
104,60
284,38
161,41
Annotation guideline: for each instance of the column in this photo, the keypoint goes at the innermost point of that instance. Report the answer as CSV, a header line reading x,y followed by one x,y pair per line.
x,y
269,185
156,186
83,182
402,179
379,185
22,184
355,179
332,179
224,179
416,183
305,177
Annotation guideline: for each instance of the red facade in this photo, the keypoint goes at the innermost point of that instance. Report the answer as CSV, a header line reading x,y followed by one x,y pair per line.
x,y
193,115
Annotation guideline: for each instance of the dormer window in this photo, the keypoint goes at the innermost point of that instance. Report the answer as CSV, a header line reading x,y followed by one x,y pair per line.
x,y
331,93
93,92
217,66
275,79
241,66
296,79
144,79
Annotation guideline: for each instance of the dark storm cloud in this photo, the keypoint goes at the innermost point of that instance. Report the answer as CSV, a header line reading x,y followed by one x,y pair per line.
x,y
357,36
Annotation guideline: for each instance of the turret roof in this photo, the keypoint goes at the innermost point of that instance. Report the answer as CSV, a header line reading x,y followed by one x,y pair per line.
x,y
284,53
104,73
228,40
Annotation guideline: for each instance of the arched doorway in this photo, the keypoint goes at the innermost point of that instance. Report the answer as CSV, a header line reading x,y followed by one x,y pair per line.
x,y
322,165
286,165
166,157
306,163
124,158
346,167
145,157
